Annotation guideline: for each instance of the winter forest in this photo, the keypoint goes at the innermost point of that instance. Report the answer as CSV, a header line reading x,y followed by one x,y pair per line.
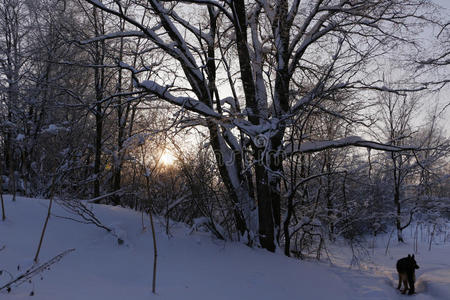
x,y
308,129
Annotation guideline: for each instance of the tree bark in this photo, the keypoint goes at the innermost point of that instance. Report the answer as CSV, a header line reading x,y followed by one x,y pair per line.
x,y
121,123
99,75
1,194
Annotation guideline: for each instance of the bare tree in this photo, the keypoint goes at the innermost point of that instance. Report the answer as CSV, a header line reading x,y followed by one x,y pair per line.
x,y
436,58
1,195
397,113
13,59
319,47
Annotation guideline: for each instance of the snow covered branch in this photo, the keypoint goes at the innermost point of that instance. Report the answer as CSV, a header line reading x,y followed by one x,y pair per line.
x,y
316,146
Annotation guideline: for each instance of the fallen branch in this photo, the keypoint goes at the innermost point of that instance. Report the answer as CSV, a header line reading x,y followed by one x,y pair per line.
x,y
34,270
97,200
81,210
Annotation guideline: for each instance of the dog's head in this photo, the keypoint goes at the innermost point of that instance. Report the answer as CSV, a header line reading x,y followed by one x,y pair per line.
x,y
412,261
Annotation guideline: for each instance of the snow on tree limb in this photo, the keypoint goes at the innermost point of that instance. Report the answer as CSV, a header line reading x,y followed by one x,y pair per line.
x,y
316,146
183,101
113,35
216,4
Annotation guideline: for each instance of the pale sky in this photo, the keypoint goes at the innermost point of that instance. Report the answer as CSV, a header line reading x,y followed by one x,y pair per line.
x,y
444,95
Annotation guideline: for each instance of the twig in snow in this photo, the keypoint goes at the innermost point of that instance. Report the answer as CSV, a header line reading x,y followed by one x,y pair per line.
x,y
34,270
79,209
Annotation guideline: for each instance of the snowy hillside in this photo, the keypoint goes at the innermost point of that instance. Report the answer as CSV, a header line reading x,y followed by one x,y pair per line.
x,y
191,265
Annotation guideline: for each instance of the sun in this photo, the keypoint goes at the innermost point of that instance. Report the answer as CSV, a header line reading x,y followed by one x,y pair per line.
x,y
167,158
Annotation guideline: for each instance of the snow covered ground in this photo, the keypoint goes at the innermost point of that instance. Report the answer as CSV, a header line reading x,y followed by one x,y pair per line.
x,y
192,265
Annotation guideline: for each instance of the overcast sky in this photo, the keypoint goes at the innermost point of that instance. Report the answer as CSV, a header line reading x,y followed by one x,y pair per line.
x,y
445,94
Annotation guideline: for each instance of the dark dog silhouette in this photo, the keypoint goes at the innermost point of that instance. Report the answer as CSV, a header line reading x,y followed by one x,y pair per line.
x,y
406,268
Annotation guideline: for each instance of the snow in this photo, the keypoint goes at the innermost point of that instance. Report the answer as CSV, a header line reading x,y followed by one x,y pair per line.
x,y
98,3
379,280
187,102
192,264
113,36
315,146
230,101
53,129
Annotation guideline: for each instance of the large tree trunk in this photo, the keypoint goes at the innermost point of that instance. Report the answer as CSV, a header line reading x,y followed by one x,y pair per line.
x,y
397,182
266,211
121,123
98,151
286,225
229,160
232,178
1,194
266,184
99,75
398,214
